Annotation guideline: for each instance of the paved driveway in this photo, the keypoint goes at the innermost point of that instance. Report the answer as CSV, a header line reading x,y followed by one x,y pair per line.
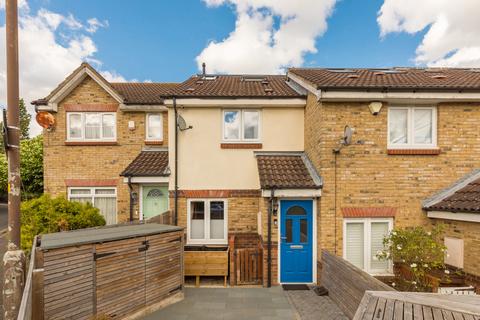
x,y
229,303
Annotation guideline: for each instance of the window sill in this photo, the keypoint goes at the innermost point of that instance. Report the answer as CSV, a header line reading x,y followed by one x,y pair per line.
x,y
241,146
154,142
414,152
91,143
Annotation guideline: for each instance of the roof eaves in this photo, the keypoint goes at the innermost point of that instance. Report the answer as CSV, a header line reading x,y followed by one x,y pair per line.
x,y
317,179
450,190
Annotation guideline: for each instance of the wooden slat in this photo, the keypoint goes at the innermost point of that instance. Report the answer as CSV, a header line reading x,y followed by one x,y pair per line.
x,y
417,312
427,313
389,309
398,310
437,314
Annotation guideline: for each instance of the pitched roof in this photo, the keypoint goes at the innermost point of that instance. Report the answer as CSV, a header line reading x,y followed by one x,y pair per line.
x,y
236,86
462,196
143,92
286,170
394,78
148,163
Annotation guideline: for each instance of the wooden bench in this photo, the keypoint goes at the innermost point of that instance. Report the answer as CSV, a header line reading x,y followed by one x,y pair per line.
x,y
206,263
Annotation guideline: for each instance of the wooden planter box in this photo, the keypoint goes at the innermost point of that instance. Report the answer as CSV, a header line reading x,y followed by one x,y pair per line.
x,y
206,263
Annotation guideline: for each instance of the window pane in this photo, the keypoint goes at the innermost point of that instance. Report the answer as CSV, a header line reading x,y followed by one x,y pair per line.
x,y
105,191
250,124
108,208
355,244
296,211
79,191
379,231
231,125
75,126
398,126
92,126
81,200
289,230
197,209
154,129
217,221
423,119
303,230
108,126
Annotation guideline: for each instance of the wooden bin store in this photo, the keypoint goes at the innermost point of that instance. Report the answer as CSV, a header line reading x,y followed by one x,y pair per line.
x,y
116,272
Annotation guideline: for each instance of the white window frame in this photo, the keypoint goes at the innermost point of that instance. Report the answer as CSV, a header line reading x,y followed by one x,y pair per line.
x,y
92,195
82,115
147,126
242,139
367,228
410,129
207,239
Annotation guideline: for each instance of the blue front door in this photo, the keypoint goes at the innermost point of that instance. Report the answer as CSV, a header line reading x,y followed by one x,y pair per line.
x,y
296,241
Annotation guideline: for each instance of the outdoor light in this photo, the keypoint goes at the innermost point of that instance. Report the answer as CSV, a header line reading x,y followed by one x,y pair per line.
x,y
375,107
275,208
131,125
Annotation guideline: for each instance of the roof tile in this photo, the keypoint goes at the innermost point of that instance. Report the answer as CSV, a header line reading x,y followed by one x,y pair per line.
x,y
148,163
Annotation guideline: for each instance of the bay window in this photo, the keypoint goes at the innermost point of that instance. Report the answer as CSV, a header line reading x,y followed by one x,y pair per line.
x,y
412,127
91,126
154,127
207,221
363,239
102,198
241,125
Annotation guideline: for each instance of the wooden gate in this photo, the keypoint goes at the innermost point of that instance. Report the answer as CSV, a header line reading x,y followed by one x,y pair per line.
x,y
248,266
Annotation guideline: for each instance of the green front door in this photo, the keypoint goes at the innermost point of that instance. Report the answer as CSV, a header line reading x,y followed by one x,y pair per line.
x,y
154,201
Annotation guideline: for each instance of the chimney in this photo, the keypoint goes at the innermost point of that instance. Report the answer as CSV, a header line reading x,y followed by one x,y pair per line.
x,y
204,69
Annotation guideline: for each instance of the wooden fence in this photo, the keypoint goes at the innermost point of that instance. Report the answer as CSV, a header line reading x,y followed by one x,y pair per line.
x,y
346,283
163,218
248,266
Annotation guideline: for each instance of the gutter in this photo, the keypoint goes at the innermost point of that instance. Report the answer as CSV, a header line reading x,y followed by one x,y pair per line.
x,y
130,190
269,238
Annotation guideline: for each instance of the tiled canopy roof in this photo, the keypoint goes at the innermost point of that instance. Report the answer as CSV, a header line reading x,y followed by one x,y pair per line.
x,y
284,170
148,163
143,92
396,78
236,86
463,196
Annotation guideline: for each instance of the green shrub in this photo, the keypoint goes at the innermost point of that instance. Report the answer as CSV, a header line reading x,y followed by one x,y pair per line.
x,y
46,214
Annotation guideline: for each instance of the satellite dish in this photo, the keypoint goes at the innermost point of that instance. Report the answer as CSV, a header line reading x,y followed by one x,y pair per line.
x,y
347,135
182,124
45,119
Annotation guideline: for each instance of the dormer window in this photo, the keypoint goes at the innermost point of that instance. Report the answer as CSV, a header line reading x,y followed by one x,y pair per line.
x,y
91,126
241,125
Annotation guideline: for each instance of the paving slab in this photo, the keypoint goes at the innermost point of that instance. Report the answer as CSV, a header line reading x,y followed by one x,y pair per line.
x,y
229,304
309,306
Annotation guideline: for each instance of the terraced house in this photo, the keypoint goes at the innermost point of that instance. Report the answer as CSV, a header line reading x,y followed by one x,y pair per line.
x,y
287,165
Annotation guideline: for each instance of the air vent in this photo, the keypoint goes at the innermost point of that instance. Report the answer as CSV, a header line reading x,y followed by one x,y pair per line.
x,y
190,89
439,76
379,73
199,82
353,76
268,90
209,78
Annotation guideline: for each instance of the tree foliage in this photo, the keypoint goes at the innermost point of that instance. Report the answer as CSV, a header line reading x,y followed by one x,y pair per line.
x,y
25,119
418,249
46,215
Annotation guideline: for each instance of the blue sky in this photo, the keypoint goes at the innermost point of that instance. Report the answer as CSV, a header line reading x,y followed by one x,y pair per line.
x,y
159,40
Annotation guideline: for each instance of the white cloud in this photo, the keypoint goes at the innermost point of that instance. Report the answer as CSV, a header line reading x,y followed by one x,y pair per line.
x,y
94,24
259,44
452,29
51,46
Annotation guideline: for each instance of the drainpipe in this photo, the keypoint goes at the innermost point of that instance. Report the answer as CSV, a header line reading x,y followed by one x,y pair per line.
x,y
269,238
131,196
176,161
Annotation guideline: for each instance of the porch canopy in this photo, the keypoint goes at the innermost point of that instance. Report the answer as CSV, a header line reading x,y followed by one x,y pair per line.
x,y
290,174
150,166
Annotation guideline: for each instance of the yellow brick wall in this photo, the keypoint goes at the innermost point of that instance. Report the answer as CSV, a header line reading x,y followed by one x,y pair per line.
x,y
93,162
368,177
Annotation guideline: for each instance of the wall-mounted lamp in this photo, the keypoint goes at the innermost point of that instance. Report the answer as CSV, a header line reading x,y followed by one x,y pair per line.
x,y
375,107
131,125
275,208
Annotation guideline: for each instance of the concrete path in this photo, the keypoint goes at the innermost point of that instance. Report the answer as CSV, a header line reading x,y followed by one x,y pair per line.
x,y
312,307
229,304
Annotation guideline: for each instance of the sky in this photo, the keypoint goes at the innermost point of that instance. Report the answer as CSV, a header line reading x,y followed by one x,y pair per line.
x,y
167,40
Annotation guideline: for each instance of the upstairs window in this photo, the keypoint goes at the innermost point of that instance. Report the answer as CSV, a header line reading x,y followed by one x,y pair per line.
x,y
91,126
154,127
412,127
241,125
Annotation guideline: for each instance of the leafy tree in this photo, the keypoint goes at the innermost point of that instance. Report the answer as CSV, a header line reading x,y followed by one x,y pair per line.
x,y
46,215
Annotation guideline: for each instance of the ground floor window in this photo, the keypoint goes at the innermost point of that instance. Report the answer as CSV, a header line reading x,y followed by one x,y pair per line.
x,y
362,239
103,198
207,221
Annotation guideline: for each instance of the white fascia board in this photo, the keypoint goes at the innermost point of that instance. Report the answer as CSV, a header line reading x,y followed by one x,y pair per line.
x,y
398,97
255,103
143,107
147,180
293,193
458,216
74,82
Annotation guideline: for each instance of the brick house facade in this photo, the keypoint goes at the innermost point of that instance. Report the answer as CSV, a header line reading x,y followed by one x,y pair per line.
x,y
243,184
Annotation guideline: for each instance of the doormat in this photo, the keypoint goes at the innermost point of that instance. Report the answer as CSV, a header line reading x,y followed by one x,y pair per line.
x,y
320,291
288,287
